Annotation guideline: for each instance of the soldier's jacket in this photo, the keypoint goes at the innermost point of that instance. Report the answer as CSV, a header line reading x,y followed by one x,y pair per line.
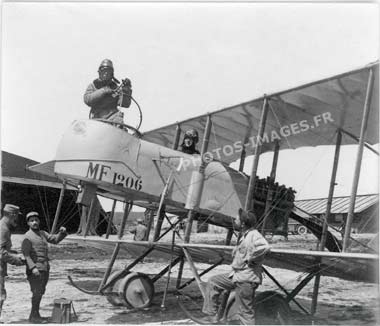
x,y
104,105
35,249
6,255
248,256
139,230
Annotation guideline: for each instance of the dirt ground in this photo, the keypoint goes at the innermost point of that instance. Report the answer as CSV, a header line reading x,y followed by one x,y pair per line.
x,y
340,302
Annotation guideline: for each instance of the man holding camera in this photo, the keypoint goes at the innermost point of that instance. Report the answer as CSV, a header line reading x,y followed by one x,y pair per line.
x,y
106,93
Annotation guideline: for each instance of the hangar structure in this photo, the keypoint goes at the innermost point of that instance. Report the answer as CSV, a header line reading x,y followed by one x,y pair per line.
x,y
34,192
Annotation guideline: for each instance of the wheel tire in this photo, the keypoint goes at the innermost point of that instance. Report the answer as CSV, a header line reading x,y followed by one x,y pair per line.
x,y
136,290
111,293
301,230
271,309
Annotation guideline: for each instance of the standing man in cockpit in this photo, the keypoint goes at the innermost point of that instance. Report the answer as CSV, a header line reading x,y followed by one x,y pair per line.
x,y
104,94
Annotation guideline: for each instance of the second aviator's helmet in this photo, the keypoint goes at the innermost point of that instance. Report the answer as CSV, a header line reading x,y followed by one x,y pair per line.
x,y
106,63
193,134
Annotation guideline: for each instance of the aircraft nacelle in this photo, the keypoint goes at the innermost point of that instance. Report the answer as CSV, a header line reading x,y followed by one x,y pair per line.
x,y
122,165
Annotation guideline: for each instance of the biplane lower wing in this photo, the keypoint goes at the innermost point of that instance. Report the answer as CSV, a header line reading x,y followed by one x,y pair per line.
x,y
359,267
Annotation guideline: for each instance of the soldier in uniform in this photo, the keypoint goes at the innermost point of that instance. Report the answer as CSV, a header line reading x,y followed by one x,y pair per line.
x,y
139,230
35,250
102,95
7,256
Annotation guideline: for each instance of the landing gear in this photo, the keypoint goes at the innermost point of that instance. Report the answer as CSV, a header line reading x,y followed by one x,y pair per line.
x,y
134,291
111,292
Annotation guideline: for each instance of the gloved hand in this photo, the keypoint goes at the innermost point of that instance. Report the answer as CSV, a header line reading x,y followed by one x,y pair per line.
x,y
36,272
107,90
62,229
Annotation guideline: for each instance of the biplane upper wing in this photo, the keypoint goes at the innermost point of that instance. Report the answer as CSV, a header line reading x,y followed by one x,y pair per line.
x,y
336,102
348,266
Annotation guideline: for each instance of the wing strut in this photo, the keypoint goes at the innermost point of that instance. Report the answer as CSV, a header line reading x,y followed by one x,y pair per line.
x,y
270,187
322,242
359,156
59,206
251,185
127,210
161,207
176,137
201,285
198,191
110,219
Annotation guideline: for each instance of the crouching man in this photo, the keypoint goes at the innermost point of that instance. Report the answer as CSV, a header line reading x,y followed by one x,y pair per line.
x,y
35,250
246,274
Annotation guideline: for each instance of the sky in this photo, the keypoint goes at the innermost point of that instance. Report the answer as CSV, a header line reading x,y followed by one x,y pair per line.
x,y
184,59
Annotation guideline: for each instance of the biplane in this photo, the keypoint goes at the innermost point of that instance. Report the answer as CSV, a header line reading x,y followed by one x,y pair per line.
x,y
147,169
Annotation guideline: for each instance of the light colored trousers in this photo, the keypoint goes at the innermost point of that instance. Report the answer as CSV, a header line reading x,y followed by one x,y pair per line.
x,y
244,296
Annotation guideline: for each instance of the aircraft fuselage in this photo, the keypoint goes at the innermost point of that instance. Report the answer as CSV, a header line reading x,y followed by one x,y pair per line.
x,y
123,165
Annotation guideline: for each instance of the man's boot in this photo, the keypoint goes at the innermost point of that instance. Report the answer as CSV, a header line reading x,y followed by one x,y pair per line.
x,y
214,319
34,316
38,302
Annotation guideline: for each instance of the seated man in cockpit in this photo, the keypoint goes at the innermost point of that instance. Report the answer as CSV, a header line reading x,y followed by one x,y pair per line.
x,y
190,139
104,95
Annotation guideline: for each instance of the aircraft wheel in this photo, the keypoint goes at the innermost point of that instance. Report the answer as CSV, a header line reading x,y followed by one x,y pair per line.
x,y
136,290
301,230
111,293
271,309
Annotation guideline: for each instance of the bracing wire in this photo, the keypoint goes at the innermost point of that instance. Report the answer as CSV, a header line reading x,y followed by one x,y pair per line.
x,y
42,203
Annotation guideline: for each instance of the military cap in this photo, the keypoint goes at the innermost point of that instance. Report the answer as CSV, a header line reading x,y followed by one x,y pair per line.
x,y
193,134
30,214
106,63
247,216
9,208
